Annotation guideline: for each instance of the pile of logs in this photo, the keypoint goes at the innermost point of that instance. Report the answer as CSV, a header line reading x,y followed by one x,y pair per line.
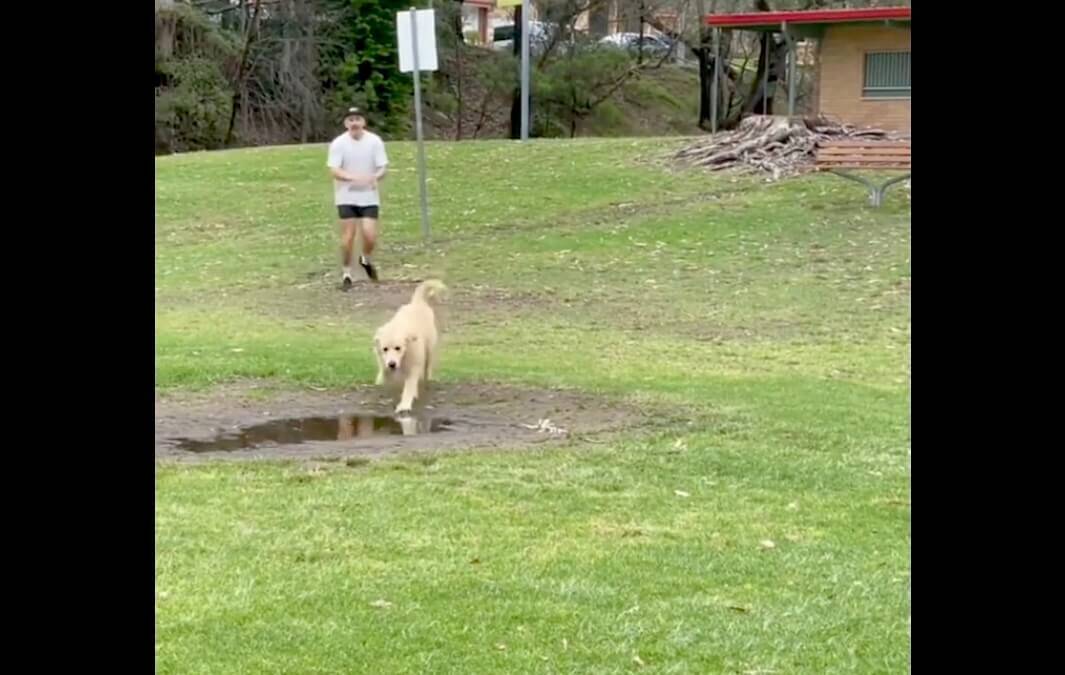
x,y
780,146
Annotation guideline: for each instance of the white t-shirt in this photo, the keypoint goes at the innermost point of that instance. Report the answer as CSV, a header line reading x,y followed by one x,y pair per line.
x,y
363,156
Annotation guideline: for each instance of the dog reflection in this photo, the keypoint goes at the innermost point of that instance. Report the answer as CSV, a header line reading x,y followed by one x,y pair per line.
x,y
411,425
367,426
345,428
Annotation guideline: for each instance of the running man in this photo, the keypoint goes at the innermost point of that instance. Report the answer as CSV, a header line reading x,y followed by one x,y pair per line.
x,y
357,161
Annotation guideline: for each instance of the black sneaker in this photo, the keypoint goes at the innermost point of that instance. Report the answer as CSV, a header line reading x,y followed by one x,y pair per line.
x,y
346,283
371,271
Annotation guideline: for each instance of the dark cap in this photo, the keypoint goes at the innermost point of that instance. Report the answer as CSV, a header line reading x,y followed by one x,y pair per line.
x,y
354,111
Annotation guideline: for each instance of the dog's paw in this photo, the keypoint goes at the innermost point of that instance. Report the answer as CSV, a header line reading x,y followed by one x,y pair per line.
x,y
403,409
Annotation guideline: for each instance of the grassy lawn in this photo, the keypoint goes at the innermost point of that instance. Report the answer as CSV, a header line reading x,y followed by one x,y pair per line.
x,y
767,533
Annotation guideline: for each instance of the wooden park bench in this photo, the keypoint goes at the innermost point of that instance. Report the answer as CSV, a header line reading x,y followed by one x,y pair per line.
x,y
840,156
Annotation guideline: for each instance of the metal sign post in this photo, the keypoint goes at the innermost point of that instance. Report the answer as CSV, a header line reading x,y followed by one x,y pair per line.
x,y
411,54
423,188
717,78
525,70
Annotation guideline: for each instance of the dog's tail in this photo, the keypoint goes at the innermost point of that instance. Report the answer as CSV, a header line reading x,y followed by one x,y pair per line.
x,y
426,290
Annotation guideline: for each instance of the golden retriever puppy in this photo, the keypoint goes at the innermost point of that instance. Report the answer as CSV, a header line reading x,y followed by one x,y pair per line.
x,y
406,346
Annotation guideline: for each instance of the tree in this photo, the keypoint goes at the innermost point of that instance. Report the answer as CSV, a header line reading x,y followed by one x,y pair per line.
x,y
193,61
573,76
698,40
359,62
474,85
572,87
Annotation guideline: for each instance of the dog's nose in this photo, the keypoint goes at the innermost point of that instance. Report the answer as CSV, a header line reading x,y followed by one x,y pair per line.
x,y
392,365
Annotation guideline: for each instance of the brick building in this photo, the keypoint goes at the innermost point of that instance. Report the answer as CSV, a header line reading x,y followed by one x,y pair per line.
x,y
862,59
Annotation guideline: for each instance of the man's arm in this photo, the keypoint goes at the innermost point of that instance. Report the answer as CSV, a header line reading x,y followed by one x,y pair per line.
x,y
380,161
341,174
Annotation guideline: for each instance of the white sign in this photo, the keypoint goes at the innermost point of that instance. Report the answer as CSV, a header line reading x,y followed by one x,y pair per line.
x,y
426,41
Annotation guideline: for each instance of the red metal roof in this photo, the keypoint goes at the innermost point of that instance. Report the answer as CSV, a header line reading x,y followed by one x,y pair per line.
x,y
766,19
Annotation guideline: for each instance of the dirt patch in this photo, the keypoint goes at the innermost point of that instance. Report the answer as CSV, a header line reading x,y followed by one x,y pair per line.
x,y
483,416
320,297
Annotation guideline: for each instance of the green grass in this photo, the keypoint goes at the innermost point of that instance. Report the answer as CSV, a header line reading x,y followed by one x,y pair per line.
x,y
658,102
774,317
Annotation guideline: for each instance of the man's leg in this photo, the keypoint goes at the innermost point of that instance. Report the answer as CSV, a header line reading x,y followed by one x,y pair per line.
x,y
368,226
348,229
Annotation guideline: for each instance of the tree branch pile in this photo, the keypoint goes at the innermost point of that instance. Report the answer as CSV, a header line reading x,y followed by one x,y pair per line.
x,y
776,145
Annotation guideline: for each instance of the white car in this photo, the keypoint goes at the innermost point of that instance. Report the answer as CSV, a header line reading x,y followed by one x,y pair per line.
x,y
652,44
620,39
540,35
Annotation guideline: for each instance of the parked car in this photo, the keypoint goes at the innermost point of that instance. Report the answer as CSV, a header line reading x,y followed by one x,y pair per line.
x,y
540,35
652,45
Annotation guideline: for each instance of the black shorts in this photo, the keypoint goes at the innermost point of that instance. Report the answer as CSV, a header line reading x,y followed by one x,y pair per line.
x,y
347,211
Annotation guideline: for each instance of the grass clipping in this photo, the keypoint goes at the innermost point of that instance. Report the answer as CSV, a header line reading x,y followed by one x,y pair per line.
x,y
780,146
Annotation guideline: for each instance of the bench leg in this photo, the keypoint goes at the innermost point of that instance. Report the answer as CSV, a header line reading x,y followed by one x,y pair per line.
x,y
876,192
875,196
882,190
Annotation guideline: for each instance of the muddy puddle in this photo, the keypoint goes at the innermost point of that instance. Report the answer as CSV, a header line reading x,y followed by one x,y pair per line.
x,y
238,422
300,430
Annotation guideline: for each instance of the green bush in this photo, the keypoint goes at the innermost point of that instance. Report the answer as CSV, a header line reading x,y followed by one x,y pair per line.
x,y
192,110
193,95
362,65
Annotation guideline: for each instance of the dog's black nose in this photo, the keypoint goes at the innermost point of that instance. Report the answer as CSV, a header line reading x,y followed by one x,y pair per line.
x,y
392,365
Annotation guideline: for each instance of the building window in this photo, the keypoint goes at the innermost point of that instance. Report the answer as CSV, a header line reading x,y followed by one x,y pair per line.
x,y
887,75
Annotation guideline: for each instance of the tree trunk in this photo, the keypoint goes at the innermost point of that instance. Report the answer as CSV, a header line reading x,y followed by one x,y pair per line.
x,y
639,45
165,30
706,75
754,98
574,112
310,55
758,101
249,35
458,93
704,54
456,24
